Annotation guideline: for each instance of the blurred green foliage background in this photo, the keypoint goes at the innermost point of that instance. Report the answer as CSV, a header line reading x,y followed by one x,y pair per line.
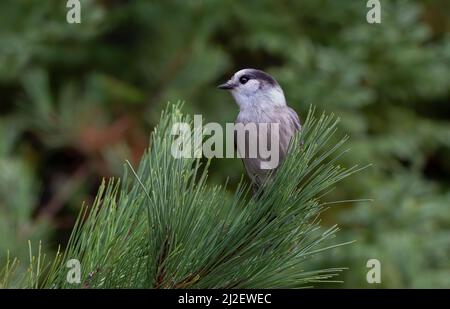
x,y
77,100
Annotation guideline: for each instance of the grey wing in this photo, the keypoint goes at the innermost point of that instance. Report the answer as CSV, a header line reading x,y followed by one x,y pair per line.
x,y
289,127
251,165
289,124
294,118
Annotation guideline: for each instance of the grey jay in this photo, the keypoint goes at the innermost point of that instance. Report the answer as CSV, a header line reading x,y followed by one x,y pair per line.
x,y
261,101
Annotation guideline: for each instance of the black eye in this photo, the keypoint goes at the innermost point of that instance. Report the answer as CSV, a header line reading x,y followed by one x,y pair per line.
x,y
243,79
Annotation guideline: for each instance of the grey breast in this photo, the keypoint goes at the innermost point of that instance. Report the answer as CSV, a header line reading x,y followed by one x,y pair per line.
x,y
289,123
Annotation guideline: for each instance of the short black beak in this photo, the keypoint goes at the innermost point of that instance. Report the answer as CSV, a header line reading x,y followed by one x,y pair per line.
x,y
227,86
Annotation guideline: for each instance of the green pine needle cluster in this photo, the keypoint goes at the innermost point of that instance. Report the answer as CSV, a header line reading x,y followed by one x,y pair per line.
x,y
163,226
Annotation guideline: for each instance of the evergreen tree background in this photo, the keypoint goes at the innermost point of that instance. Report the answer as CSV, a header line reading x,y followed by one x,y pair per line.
x,y
77,100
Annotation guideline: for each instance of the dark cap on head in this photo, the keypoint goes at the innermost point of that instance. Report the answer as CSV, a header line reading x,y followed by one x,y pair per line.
x,y
242,76
260,75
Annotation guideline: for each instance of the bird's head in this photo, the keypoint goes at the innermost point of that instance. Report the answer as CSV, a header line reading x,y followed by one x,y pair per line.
x,y
253,88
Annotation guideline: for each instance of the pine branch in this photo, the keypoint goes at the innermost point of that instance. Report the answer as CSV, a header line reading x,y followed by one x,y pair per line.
x,y
163,226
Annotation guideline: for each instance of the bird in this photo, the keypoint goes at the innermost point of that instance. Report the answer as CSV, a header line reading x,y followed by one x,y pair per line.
x,y
261,100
